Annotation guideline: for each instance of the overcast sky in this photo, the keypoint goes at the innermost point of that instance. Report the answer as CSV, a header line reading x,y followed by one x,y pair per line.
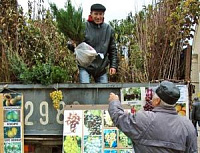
x,y
115,9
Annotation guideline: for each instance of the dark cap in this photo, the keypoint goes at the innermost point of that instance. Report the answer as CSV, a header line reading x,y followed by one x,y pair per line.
x,y
168,92
98,7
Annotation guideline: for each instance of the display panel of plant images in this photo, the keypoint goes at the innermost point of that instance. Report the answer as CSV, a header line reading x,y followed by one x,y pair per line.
x,y
92,131
11,123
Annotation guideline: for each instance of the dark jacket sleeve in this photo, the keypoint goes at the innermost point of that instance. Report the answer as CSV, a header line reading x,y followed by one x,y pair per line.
x,y
193,112
112,51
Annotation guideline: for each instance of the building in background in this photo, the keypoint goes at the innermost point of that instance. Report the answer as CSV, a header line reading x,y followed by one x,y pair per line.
x,y
195,68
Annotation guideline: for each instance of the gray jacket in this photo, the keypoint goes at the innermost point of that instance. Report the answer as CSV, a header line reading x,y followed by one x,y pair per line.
x,y
159,131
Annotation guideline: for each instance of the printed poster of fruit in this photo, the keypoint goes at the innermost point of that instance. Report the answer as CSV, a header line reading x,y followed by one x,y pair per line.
x,y
133,95
11,123
92,144
71,144
107,119
110,138
181,109
92,122
72,131
182,106
89,130
73,122
124,141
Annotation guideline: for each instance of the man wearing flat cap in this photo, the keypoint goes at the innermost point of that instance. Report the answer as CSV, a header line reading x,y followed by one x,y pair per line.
x,y
161,130
100,36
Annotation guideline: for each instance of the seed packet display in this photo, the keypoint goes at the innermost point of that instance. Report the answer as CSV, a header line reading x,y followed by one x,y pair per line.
x,y
94,131
11,123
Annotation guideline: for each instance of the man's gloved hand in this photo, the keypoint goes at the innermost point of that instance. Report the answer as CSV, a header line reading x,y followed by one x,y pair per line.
x,y
113,97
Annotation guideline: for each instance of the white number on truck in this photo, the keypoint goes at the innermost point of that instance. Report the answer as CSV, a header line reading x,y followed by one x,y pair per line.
x,y
28,105
45,113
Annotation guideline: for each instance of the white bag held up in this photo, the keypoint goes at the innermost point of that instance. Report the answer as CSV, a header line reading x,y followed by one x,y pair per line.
x,y
85,54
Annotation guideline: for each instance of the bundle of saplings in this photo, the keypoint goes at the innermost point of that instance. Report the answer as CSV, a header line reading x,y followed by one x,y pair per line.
x,y
70,21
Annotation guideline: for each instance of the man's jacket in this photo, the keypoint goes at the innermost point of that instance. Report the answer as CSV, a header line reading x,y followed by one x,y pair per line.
x,y
159,131
101,38
196,111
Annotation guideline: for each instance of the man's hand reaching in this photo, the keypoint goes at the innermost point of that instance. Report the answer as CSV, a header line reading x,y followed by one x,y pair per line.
x,y
113,97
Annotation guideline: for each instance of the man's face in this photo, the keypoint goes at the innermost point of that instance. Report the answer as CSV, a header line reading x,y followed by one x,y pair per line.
x,y
97,16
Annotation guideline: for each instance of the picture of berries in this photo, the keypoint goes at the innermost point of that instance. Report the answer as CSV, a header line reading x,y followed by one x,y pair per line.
x,y
73,122
93,122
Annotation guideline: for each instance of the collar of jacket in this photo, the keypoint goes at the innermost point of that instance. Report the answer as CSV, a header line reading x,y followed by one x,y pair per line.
x,y
165,109
91,20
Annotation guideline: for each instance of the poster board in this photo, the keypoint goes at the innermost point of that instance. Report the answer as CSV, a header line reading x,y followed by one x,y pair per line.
x,y
11,123
182,105
89,129
137,97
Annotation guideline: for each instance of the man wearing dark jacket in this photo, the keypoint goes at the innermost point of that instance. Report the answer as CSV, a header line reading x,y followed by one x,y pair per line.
x,y
100,36
161,130
196,113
